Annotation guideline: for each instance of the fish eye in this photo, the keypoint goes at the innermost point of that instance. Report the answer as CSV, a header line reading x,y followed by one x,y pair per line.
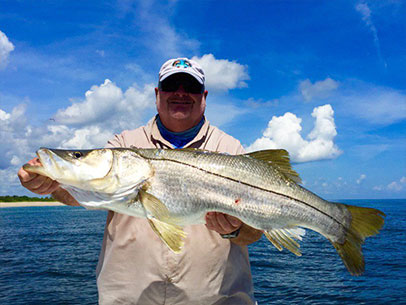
x,y
77,154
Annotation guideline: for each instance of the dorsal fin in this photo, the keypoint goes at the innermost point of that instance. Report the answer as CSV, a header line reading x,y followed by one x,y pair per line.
x,y
280,159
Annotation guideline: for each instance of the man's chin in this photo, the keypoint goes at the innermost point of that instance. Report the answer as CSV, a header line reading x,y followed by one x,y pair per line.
x,y
180,111
179,115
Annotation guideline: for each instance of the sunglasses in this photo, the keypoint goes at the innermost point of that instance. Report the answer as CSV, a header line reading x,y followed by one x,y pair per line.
x,y
188,82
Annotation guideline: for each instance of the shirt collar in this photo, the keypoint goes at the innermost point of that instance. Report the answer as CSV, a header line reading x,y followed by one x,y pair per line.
x,y
156,136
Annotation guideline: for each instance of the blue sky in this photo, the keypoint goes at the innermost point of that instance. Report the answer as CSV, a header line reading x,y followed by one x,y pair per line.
x,y
324,79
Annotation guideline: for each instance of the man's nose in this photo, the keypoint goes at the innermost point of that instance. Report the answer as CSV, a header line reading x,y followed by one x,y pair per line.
x,y
181,91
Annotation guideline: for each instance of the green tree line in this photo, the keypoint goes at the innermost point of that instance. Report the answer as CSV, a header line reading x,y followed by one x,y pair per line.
x,y
23,198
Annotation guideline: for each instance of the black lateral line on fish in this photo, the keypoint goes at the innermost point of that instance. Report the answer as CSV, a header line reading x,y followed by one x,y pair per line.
x,y
247,184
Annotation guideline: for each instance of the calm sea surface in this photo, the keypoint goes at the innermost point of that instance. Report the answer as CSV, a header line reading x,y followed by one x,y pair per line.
x,y
48,255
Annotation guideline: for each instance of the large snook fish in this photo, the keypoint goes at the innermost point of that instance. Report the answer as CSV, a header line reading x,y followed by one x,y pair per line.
x,y
174,188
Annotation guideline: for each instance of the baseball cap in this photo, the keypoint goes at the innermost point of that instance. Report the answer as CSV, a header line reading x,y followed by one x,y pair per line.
x,y
182,65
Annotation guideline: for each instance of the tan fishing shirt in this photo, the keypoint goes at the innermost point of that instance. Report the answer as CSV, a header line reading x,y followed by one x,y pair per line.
x,y
136,267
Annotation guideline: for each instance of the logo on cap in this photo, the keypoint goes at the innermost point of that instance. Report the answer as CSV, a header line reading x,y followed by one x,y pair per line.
x,y
181,63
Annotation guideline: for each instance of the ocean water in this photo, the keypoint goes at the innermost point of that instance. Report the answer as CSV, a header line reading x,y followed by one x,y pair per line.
x,y
48,255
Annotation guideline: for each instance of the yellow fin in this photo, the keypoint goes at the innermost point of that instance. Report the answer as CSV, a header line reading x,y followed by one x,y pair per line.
x,y
280,159
154,206
171,235
284,238
273,240
365,222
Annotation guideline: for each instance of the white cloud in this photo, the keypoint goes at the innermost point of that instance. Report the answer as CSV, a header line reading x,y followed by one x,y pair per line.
x,y
4,116
105,110
284,132
394,186
365,12
102,53
261,103
13,132
354,98
15,149
361,178
378,188
397,186
222,74
320,89
160,36
100,102
10,181
90,123
6,47
88,137
376,105
221,114
108,106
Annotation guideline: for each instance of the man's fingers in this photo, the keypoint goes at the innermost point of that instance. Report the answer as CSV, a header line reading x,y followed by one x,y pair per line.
x,y
54,186
41,185
222,223
235,222
44,188
35,183
212,223
47,187
25,176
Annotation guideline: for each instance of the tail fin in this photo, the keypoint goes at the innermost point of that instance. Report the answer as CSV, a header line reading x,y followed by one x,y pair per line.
x,y
365,222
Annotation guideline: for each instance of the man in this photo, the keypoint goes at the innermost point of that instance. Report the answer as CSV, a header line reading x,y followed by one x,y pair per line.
x,y
135,267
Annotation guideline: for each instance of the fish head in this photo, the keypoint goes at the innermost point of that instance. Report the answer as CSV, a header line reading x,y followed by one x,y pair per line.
x,y
106,170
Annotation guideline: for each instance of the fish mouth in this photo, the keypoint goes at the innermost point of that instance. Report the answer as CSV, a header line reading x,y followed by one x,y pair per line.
x,y
46,162
46,158
42,153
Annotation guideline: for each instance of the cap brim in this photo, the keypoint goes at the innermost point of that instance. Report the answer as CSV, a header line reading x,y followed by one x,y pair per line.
x,y
197,77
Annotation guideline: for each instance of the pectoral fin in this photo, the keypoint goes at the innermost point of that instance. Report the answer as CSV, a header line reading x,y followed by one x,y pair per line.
x,y
171,235
153,206
161,222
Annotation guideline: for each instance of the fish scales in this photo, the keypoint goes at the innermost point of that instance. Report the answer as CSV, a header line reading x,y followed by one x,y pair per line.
x,y
218,180
207,184
244,169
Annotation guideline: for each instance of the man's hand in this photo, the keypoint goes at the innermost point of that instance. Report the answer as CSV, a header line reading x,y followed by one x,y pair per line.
x,y
222,223
225,224
36,183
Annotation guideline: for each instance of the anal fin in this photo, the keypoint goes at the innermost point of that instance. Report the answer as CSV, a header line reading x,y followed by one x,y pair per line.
x,y
285,238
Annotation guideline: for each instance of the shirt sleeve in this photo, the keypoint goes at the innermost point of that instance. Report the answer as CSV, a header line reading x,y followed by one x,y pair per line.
x,y
228,144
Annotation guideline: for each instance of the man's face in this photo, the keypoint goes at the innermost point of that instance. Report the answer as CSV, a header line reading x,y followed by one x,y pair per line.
x,y
180,110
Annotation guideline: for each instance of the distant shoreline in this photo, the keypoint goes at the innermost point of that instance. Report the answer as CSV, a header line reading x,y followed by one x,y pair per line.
x,y
18,204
